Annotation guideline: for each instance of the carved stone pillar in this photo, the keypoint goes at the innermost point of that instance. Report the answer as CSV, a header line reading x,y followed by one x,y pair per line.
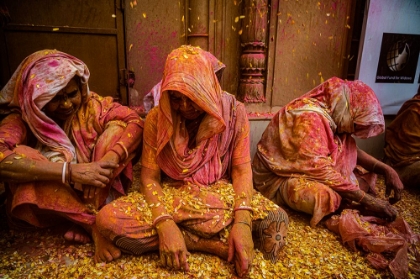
x,y
253,59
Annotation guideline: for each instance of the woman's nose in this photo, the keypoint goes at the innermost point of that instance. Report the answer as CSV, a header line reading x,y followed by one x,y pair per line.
x,y
185,102
65,102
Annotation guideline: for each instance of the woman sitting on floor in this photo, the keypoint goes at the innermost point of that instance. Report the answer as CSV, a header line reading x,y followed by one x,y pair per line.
x,y
64,150
402,143
307,155
196,175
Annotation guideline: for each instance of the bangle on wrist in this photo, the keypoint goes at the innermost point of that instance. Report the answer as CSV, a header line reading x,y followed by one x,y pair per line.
x,y
120,143
243,207
245,223
161,218
63,173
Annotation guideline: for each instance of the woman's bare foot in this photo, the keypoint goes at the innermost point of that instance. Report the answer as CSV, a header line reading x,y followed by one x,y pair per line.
x,y
77,234
105,250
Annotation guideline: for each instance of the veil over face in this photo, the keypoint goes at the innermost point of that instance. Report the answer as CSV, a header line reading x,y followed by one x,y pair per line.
x,y
312,136
189,71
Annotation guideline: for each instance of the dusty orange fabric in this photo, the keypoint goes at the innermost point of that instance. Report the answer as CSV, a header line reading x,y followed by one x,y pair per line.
x,y
307,152
44,204
96,127
222,138
402,136
197,186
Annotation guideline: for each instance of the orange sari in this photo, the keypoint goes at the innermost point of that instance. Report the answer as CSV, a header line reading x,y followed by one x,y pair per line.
x,y
195,158
402,143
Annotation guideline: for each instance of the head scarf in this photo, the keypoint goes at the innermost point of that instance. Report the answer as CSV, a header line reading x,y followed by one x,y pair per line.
x,y
351,106
218,68
189,71
35,82
298,142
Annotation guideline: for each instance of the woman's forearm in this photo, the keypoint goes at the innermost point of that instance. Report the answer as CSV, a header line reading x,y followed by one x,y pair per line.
x,y
152,191
242,185
18,169
370,163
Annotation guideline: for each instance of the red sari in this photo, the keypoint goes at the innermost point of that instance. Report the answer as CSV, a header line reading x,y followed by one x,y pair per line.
x,y
95,128
307,152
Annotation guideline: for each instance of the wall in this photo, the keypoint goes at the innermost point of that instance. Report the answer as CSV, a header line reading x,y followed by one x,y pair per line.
x,y
390,16
257,128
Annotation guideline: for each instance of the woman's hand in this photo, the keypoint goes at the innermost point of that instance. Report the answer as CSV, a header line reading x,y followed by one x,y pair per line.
x,y
393,183
241,248
172,248
92,176
380,208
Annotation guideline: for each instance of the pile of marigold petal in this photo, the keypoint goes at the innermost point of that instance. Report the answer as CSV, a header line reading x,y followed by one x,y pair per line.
x,y
309,253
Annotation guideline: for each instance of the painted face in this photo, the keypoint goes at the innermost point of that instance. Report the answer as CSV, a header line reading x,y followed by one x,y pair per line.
x,y
184,106
65,103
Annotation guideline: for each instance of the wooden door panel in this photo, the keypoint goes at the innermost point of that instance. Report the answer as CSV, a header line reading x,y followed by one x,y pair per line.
x,y
91,30
98,52
75,13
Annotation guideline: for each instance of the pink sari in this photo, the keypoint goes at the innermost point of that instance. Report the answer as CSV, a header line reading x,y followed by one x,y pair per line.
x,y
307,154
97,126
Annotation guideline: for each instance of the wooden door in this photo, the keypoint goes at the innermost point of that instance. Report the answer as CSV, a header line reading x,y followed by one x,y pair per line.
x,y
155,28
91,30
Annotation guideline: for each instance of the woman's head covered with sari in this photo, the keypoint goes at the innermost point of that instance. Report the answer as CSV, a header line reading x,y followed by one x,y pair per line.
x,y
352,106
37,80
196,148
189,71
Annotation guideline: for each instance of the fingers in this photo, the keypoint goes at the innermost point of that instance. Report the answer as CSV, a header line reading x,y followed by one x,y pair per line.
x,y
175,260
388,190
87,192
231,250
241,266
163,258
183,261
108,165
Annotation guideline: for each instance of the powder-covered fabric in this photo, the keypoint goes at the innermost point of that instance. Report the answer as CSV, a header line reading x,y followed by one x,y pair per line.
x,y
155,92
402,136
310,141
222,137
97,126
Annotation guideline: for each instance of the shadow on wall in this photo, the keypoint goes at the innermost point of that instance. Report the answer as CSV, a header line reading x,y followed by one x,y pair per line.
x,y
373,146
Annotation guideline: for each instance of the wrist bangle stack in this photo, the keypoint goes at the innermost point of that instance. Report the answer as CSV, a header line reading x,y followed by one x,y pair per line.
x,y
243,207
245,223
161,218
63,173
